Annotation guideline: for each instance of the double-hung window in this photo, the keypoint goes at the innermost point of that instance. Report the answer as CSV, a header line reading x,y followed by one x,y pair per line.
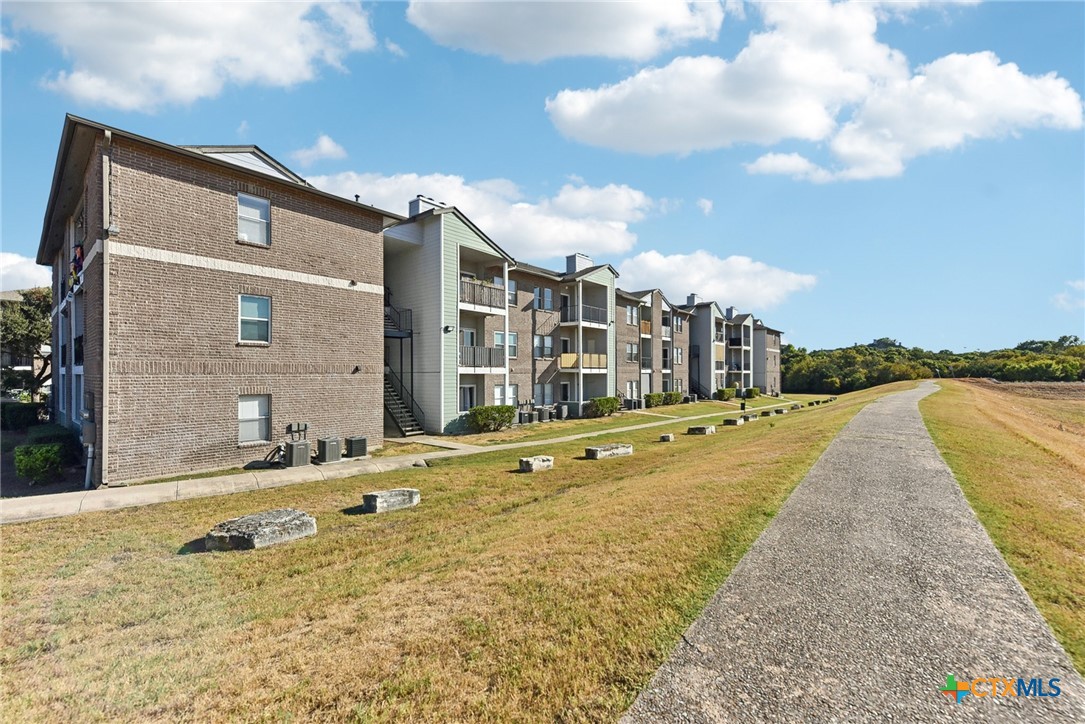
x,y
254,318
253,219
544,298
632,314
677,324
254,418
544,394
544,346
512,292
631,352
678,355
511,351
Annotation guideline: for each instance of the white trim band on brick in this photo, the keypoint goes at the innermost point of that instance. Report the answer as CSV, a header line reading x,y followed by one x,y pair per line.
x,y
235,267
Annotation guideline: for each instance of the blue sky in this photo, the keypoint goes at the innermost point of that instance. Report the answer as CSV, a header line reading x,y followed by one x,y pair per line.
x,y
844,171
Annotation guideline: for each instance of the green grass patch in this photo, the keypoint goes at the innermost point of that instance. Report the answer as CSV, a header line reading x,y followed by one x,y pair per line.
x,y
1021,465
502,597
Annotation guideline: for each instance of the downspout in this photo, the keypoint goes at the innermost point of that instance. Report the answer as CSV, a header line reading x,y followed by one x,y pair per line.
x,y
107,220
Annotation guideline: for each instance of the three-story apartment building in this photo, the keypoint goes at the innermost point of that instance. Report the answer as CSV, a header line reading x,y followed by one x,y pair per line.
x,y
204,299
653,344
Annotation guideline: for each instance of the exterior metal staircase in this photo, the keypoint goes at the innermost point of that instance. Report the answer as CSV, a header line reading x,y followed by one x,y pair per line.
x,y
401,412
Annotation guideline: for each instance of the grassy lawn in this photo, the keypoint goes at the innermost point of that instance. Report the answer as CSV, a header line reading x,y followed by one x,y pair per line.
x,y
392,448
1021,464
560,428
503,597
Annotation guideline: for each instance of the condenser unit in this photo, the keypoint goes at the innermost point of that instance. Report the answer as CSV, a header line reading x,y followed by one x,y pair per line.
x,y
297,453
356,447
327,450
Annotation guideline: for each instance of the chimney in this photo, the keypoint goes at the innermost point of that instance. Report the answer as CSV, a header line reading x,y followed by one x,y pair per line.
x,y
730,312
576,262
693,299
422,203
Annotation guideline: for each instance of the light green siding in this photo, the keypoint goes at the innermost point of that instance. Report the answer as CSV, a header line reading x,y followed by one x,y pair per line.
x,y
451,236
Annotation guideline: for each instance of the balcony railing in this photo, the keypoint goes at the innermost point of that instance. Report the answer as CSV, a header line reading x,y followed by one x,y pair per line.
x,y
483,295
721,337
571,361
735,341
646,327
482,356
666,331
588,313
666,364
646,362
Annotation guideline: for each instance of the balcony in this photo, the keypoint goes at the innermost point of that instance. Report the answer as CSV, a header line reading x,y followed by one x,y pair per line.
x,y
572,361
666,365
646,362
482,295
721,366
482,357
721,338
587,314
665,331
645,328
735,341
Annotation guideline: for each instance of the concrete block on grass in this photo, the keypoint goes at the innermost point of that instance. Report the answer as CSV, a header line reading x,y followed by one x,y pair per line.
x,y
536,463
734,421
385,501
701,430
613,450
260,529
667,437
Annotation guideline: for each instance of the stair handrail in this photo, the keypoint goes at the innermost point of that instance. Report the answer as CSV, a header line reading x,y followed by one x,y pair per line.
x,y
700,390
406,397
401,318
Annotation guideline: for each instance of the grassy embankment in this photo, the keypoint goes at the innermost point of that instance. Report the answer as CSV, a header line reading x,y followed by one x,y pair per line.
x,y
502,597
1021,464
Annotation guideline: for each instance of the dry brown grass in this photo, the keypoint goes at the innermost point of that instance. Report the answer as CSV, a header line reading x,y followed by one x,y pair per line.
x,y
406,447
1020,461
503,597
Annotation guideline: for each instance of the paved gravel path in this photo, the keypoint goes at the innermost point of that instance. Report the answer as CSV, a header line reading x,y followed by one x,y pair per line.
x,y
873,583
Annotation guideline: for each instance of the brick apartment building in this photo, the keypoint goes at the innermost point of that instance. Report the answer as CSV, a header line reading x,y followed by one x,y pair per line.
x,y
653,344
204,299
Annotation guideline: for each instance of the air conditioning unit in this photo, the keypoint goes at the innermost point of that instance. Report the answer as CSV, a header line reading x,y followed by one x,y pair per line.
x,y
297,453
327,450
356,447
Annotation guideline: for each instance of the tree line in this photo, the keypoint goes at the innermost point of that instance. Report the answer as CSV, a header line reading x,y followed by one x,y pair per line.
x,y
886,360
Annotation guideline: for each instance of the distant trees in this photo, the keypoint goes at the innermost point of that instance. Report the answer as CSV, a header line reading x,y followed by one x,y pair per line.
x,y
25,326
885,360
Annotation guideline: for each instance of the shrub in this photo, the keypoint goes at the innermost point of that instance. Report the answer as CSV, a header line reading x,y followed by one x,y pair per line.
x,y
490,418
71,448
753,392
672,398
725,393
20,415
601,406
653,399
39,463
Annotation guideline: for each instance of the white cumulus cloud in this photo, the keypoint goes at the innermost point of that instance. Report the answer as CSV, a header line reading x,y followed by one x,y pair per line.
x,y
705,205
20,272
394,48
324,148
818,74
537,31
578,218
749,285
140,56
1073,299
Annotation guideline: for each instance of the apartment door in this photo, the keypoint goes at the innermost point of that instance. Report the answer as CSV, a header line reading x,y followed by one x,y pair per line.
x,y
566,345
467,337
467,397
565,303
566,391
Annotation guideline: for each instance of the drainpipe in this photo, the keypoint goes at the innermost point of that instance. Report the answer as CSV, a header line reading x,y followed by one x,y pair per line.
x,y
103,423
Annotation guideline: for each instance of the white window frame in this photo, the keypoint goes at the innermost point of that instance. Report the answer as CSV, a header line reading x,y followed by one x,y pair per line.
x,y
511,346
678,355
252,202
544,394
241,319
512,292
265,419
474,398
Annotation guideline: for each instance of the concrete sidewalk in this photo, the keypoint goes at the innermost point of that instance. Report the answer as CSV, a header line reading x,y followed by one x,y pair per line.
x,y
16,510
873,584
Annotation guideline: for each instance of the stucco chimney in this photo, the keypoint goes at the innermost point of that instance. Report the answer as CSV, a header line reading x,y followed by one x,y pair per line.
x,y
693,299
576,262
422,203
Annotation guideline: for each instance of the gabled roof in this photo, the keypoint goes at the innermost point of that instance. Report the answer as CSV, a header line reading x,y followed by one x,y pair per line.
x,y
432,212
252,158
692,308
77,141
739,318
562,277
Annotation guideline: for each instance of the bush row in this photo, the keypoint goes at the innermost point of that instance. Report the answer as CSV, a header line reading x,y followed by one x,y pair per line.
x,y
490,418
601,406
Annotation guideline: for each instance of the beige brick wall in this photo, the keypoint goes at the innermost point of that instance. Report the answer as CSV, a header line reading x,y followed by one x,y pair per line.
x,y
176,367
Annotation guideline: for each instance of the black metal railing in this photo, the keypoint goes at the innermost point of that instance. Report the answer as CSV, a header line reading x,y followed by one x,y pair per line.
x,y
405,397
483,295
400,319
482,356
646,362
588,313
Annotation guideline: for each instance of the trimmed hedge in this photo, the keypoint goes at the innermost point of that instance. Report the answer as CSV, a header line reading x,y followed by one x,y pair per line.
x,y
20,415
39,463
672,398
725,393
653,399
753,392
71,448
490,418
601,406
